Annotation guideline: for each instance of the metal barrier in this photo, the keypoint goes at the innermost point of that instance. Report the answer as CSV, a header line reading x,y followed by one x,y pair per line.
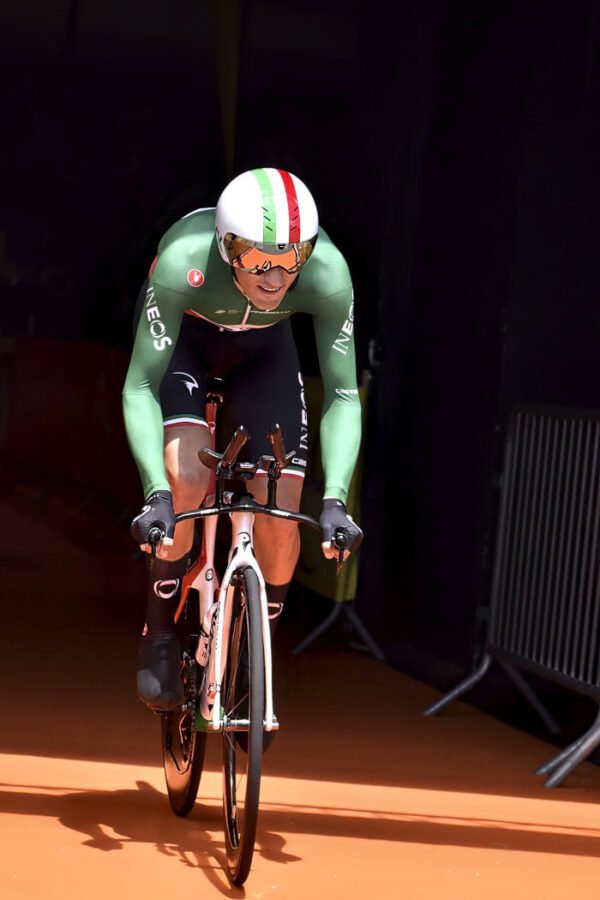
x,y
313,570
544,612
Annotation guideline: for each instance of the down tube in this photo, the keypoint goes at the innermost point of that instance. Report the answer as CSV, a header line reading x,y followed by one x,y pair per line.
x,y
243,559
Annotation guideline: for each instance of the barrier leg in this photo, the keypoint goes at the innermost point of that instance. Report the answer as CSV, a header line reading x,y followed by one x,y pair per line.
x,y
460,688
126,514
368,640
79,507
555,761
531,696
329,620
568,759
355,622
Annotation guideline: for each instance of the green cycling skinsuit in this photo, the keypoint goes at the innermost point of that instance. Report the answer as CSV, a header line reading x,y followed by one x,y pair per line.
x,y
189,277
194,322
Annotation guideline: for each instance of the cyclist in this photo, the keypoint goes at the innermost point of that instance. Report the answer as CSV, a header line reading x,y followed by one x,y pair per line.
x,y
217,302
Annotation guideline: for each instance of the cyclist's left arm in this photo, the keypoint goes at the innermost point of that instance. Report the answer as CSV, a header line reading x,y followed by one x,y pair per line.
x,y
341,422
341,419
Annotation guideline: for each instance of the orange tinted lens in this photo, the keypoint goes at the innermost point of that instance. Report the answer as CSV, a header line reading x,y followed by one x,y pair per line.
x,y
304,251
235,247
256,260
254,257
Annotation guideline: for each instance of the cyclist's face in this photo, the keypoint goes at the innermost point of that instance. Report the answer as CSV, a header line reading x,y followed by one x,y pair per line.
x,y
266,290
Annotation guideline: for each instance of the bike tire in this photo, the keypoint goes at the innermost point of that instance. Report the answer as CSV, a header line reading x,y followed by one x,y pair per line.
x,y
242,767
183,746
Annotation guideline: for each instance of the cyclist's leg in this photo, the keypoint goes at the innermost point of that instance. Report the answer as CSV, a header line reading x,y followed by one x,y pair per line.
x,y
182,402
277,550
268,389
188,478
277,543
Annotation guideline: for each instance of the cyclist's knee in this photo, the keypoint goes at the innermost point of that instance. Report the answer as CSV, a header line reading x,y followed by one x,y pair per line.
x,y
277,529
289,492
187,476
188,485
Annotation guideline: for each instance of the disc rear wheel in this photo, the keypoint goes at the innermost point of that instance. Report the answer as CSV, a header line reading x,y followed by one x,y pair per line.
x,y
182,745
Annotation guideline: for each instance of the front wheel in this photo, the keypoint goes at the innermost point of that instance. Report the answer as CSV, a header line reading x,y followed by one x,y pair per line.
x,y
182,745
244,711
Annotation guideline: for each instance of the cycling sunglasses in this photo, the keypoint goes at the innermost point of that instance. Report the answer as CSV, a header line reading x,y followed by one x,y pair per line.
x,y
259,258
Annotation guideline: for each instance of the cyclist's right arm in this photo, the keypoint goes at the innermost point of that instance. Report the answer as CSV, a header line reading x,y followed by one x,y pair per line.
x,y
157,332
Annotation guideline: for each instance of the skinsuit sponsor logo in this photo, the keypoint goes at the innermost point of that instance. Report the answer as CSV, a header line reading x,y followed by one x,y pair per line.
x,y
195,278
189,381
166,589
157,326
304,419
343,339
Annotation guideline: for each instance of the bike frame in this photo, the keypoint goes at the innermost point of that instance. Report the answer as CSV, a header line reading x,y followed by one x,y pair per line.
x,y
241,555
183,745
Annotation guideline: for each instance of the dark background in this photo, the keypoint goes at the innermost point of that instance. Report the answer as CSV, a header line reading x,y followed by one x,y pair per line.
x,y
453,150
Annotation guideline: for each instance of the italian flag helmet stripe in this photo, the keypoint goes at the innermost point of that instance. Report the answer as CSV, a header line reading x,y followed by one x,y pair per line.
x,y
278,203
293,205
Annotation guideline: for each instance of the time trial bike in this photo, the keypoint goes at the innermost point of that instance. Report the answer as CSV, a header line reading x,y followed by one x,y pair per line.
x,y
226,662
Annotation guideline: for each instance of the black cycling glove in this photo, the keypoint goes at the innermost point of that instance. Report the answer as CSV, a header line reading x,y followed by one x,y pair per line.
x,y
157,513
334,518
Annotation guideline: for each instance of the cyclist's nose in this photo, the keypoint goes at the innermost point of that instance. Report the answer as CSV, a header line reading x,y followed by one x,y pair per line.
x,y
274,278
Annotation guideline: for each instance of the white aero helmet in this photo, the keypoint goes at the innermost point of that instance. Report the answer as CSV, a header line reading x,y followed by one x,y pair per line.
x,y
266,218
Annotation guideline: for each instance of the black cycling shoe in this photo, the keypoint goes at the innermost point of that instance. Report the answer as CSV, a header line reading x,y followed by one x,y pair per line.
x,y
159,681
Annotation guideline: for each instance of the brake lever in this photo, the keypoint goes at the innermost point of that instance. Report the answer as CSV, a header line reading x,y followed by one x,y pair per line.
x,y
155,536
340,541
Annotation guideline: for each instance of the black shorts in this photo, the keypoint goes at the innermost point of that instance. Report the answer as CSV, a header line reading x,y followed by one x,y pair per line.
x,y
262,386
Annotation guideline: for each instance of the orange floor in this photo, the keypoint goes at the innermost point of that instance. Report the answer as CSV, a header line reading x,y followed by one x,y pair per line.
x,y
362,795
